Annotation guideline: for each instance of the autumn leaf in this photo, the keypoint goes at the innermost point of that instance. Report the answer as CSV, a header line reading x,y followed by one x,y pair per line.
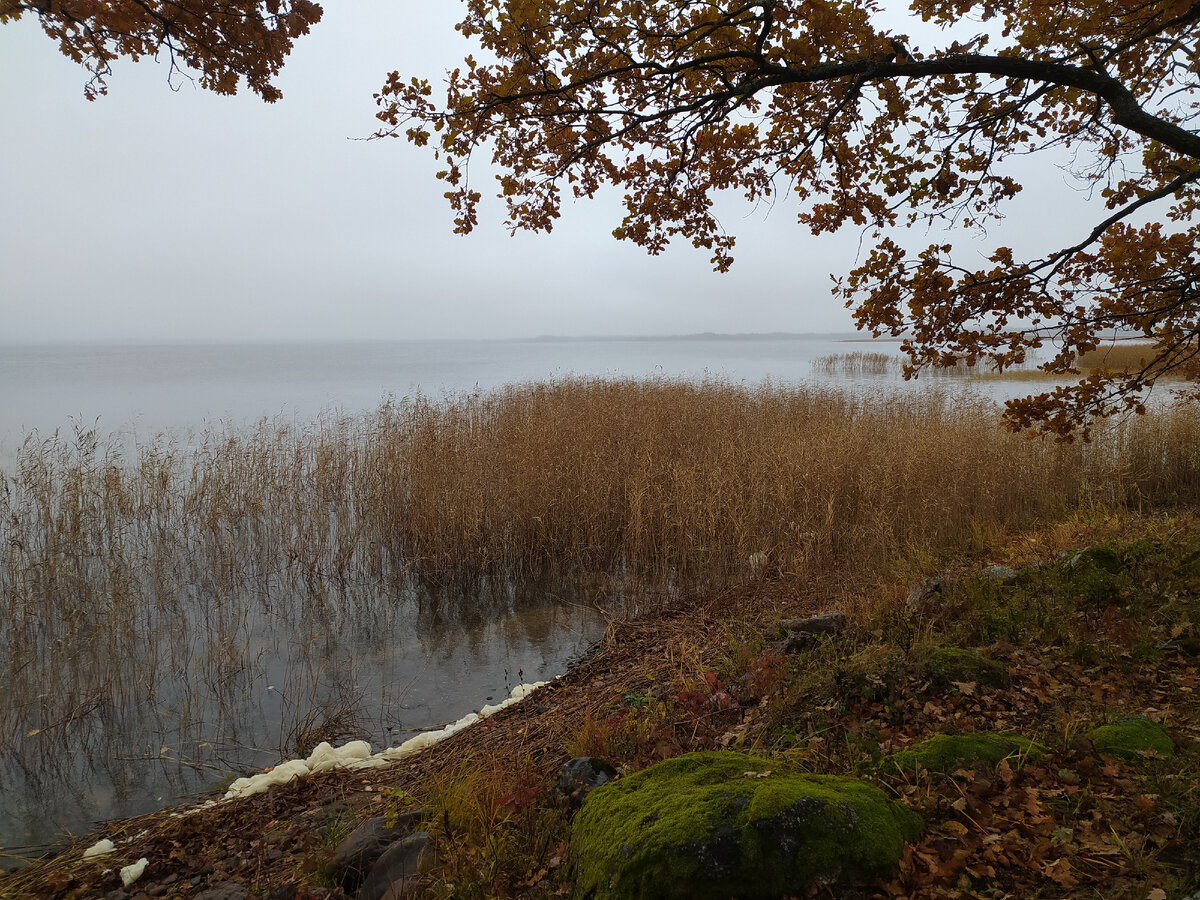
x,y
1059,871
222,43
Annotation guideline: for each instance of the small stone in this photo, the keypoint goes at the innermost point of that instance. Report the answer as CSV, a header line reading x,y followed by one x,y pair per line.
x,y
1188,644
1102,558
923,593
831,622
1002,574
397,873
945,752
949,665
578,777
357,853
99,848
1132,738
133,871
803,634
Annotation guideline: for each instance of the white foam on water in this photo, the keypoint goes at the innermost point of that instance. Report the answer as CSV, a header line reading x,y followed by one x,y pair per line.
x,y
354,755
358,755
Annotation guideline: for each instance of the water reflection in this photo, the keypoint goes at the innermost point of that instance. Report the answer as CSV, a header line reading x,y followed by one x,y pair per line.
x,y
119,710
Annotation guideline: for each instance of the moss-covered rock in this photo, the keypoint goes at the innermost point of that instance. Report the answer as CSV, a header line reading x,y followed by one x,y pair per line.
x,y
1106,559
944,752
716,825
1093,573
1131,738
950,664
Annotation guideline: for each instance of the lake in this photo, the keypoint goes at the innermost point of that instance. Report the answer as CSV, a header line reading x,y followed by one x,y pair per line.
x,y
215,676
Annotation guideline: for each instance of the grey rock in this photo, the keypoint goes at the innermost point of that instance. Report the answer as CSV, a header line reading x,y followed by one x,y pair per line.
x,y
1002,574
802,634
921,594
397,873
831,622
578,777
357,853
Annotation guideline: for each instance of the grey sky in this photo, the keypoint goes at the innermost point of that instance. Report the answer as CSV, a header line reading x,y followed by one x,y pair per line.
x,y
154,214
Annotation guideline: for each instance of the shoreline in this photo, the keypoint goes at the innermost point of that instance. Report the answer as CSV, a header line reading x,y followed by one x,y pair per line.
x,y
641,671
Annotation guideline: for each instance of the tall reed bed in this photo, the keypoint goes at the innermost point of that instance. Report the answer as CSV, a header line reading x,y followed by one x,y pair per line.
x,y
857,364
169,596
662,479
706,482
137,582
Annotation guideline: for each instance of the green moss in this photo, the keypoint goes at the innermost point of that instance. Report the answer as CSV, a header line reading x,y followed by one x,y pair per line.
x,y
715,825
1132,738
1093,574
950,664
1106,559
945,752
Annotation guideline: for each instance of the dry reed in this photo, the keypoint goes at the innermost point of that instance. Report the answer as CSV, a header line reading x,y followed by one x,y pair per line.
x,y
859,364
856,364
1120,356
663,479
128,582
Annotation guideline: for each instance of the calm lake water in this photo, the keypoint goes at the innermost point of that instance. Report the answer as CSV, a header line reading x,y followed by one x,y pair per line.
x,y
149,388
234,673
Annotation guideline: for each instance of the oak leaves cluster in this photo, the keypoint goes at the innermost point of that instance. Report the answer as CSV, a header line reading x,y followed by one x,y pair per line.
x,y
223,40
676,101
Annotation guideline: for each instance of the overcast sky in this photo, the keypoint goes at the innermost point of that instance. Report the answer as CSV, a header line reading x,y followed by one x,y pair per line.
x,y
179,215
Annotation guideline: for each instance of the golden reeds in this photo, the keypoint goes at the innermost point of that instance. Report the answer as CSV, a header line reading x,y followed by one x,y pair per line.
x,y
666,479
124,580
857,364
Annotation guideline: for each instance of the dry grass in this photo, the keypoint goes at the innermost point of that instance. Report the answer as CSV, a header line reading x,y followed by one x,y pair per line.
x,y
669,481
127,584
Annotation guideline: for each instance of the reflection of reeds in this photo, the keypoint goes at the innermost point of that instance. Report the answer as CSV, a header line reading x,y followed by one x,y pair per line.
x,y
139,580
